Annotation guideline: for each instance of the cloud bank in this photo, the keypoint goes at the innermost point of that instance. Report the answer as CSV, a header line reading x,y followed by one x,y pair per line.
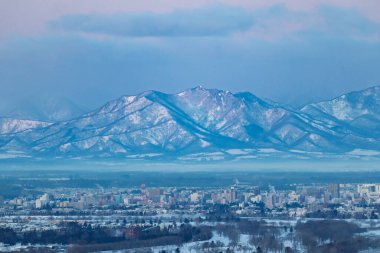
x,y
218,21
292,51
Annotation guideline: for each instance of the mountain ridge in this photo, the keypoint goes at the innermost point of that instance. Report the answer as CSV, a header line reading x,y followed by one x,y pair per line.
x,y
200,120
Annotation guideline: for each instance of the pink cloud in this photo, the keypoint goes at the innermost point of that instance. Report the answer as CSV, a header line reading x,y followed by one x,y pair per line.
x,y
31,17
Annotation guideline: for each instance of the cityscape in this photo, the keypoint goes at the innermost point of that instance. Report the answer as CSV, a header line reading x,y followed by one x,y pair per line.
x,y
359,201
130,212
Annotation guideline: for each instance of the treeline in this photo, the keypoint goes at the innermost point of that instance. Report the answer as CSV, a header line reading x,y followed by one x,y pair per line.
x,y
264,236
87,238
330,236
334,214
314,236
71,233
150,238
134,244
220,213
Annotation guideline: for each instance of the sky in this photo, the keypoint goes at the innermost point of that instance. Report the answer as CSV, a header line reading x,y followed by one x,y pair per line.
x,y
92,51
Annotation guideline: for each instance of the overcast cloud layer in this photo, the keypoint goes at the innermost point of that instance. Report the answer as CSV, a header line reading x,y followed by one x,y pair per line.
x,y
91,51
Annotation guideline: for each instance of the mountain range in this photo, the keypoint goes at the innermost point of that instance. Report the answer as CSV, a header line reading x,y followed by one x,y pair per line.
x,y
202,123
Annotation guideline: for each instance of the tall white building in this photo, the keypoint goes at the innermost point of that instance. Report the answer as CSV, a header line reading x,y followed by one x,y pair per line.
x,y
42,201
39,203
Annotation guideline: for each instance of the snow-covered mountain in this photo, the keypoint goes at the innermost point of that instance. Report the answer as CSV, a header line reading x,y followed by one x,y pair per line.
x,y
200,121
11,126
359,109
349,107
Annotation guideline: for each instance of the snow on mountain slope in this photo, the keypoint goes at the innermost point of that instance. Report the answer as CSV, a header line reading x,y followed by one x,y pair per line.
x,y
349,107
251,120
124,125
202,120
130,124
8,125
358,111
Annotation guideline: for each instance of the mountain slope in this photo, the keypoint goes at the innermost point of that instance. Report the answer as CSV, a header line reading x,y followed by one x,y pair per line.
x,y
359,110
11,126
202,120
253,121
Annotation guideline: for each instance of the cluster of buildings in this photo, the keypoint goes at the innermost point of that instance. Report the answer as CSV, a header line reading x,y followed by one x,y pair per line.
x,y
354,200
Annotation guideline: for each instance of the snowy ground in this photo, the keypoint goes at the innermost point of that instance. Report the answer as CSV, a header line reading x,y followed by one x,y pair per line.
x,y
245,245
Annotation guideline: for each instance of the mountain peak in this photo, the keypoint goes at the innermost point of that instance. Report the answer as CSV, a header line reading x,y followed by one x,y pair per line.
x,y
201,88
372,90
200,120
348,107
198,87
